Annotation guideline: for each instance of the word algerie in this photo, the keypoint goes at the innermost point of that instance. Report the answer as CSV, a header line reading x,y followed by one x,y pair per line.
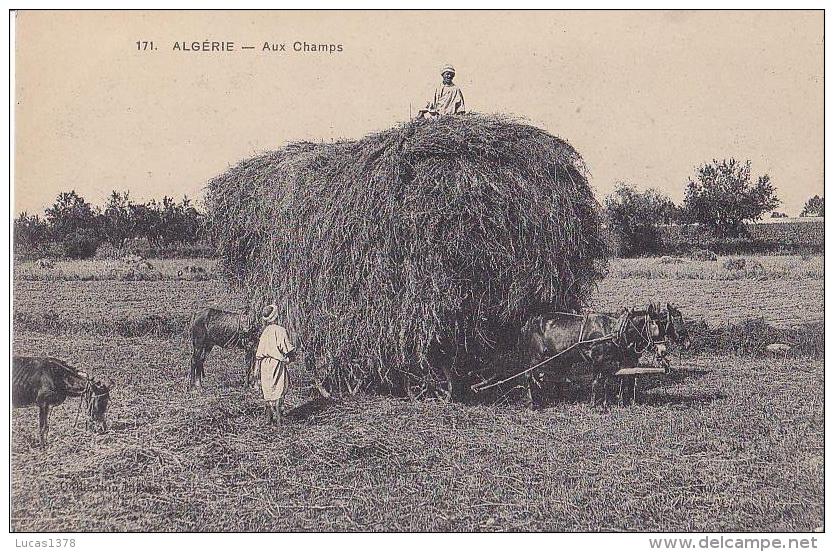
x,y
205,46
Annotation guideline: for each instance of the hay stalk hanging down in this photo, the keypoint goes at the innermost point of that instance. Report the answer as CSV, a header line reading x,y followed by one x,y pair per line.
x,y
395,252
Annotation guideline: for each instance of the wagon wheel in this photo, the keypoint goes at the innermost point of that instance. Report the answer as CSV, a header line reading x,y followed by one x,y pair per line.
x,y
422,390
443,391
416,390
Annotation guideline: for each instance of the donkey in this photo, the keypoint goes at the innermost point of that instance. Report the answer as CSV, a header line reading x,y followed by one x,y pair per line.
x,y
45,382
230,330
607,342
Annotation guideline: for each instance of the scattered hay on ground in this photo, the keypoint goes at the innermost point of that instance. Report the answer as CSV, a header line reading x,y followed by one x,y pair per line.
x,y
672,260
177,461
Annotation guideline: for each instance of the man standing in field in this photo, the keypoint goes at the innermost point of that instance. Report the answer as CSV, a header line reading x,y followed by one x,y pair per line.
x,y
448,99
274,353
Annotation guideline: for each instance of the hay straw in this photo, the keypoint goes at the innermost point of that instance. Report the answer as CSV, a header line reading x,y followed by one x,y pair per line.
x,y
396,249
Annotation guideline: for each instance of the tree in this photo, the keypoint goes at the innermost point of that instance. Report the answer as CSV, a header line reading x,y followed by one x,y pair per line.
x,y
117,223
69,213
635,217
814,207
191,222
30,232
722,197
178,222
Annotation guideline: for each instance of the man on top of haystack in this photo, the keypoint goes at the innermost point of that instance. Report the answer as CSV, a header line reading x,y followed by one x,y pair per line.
x,y
448,99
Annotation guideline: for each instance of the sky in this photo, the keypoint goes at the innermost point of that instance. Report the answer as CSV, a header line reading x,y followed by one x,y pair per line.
x,y
644,96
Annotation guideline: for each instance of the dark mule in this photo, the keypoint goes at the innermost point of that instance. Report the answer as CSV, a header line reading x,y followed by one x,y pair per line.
x,y
230,330
47,382
607,342
672,330
672,327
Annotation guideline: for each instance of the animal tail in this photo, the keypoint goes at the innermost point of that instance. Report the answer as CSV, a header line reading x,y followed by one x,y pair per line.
x,y
523,342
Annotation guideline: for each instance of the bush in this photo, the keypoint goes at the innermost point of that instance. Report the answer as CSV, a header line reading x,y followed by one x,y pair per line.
x,y
747,268
143,249
634,216
704,255
734,263
80,244
31,235
751,337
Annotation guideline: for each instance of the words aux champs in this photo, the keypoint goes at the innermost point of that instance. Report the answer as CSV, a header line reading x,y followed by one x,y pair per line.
x,y
299,46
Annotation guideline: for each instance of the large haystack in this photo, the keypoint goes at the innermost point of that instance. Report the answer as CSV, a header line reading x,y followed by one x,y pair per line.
x,y
392,252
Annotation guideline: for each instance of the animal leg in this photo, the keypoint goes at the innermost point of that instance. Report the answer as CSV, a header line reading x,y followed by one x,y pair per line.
x,y
449,392
255,375
605,391
595,388
197,358
201,369
198,361
532,400
43,424
249,369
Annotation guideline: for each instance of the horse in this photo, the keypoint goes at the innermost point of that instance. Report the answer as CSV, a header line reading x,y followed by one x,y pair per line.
x,y
45,382
212,327
607,342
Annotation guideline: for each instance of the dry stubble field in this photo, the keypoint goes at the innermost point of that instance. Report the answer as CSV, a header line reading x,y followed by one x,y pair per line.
x,y
726,443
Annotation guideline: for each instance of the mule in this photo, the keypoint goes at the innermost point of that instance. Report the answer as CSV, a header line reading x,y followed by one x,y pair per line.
x,y
607,342
46,382
672,330
211,328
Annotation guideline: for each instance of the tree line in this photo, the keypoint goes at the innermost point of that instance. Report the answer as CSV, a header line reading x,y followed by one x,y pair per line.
x,y
76,228
720,198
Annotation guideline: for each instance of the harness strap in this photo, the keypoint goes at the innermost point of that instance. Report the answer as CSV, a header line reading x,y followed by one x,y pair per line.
x,y
582,327
618,337
478,388
581,335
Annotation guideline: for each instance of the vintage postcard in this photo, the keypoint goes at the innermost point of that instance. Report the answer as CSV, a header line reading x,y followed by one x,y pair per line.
x,y
418,271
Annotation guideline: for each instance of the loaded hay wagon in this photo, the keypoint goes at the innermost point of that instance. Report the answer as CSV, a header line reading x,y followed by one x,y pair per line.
x,y
408,259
